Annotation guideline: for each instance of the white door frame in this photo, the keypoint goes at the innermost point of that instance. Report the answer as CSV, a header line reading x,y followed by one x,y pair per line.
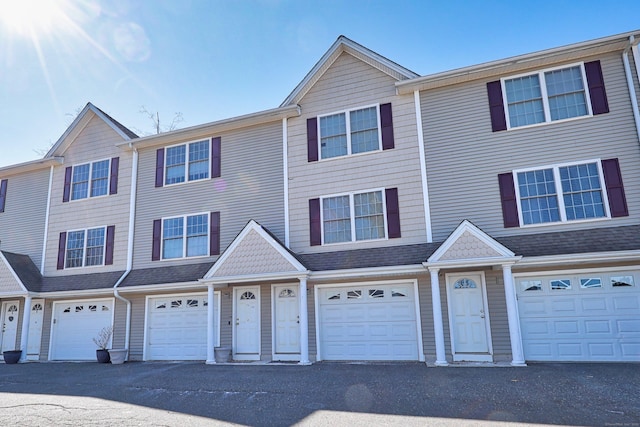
x,y
274,311
471,357
72,301
147,312
3,313
316,303
36,355
237,291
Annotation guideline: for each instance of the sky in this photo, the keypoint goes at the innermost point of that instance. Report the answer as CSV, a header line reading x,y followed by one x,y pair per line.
x,y
197,61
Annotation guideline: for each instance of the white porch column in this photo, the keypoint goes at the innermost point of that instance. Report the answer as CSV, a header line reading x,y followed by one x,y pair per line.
x,y
517,352
211,359
438,327
24,337
304,323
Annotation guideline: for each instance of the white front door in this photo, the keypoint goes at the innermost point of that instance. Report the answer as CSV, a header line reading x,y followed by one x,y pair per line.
x,y
286,321
247,323
10,312
468,317
35,329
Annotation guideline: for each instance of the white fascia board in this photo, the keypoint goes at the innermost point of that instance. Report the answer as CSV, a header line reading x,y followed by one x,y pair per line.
x,y
487,69
591,257
207,129
260,277
356,273
476,262
74,294
30,166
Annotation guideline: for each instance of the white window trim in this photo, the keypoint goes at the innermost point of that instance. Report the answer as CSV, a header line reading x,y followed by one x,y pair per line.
x,y
184,236
559,193
545,97
186,162
347,114
88,195
352,217
84,248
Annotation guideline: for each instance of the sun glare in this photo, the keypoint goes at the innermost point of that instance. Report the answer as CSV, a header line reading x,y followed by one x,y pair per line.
x,y
31,17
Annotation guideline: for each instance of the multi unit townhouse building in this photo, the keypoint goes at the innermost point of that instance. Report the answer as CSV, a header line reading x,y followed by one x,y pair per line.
x,y
485,214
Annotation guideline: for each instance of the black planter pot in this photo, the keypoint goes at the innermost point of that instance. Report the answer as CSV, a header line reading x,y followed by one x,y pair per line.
x,y
103,356
12,356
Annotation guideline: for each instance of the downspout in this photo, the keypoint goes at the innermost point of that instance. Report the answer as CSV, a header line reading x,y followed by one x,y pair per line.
x,y
46,222
629,76
132,215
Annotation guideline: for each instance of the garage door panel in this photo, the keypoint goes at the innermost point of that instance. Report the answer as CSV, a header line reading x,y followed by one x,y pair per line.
x,y
369,322
580,324
177,327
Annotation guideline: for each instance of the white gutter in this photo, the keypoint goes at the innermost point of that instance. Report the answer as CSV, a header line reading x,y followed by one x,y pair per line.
x,y
629,76
132,217
46,222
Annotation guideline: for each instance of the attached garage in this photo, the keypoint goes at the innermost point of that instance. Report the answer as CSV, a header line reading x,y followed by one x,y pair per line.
x,y
374,321
75,324
177,327
583,317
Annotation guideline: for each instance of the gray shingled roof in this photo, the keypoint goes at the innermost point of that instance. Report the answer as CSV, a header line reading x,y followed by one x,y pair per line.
x,y
575,242
120,126
374,257
172,274
25,269
80,282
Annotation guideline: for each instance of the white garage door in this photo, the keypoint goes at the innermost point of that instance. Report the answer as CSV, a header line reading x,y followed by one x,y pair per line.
x,y
177,327
580,317
368,322
75,324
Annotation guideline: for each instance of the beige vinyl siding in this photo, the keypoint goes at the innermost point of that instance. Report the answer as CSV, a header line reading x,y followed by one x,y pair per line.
x,y
46,330
95,142
22,222
464,157
350,83
119,324
426,319
498,316
251,187
136,339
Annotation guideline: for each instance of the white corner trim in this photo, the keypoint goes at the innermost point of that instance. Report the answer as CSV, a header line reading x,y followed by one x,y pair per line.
x,y
46,222
423,166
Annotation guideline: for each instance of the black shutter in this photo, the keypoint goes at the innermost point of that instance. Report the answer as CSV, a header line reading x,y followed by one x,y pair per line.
x,y
595,81
113,185
216,157
3,193
386,125
312,140
160,167
214,233
509,200
393,213
315,226
62,247
66,193
615,189
157,239
496,106
108,253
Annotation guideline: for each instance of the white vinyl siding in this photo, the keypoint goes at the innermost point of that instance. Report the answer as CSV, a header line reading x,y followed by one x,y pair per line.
x,y
546,96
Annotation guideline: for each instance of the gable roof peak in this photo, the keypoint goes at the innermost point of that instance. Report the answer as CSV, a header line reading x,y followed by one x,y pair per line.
x,y
345,44
80,122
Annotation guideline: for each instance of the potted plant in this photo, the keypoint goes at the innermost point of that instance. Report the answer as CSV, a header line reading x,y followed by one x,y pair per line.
x,y
102,341
12,356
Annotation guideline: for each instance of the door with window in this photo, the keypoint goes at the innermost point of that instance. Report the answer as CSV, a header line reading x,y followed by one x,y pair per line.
x,y
247,323
10,312
286,322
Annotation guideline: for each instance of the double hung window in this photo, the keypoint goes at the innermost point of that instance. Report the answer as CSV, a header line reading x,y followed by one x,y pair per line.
x,y
187,162
90,180
546,96
185,236
349,132
353,217
561,193
85,247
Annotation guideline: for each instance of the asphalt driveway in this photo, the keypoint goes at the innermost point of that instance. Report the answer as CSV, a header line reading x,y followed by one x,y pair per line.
x,y
185,394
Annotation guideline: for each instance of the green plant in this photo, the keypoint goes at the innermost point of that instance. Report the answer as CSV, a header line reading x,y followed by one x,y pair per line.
x,y
102,340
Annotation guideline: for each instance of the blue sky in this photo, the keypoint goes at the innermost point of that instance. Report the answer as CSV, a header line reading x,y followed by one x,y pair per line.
x,y
210,60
